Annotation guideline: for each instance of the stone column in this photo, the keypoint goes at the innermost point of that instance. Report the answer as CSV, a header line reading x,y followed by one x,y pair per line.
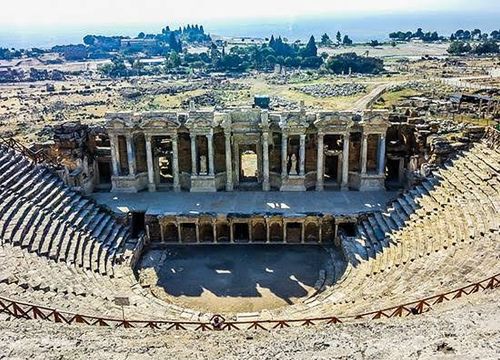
x,y
284,155
231,232
194,155
381,154
229,162
364,153
214,230
210,141
319,169
302,155
345,163
149,156
162,233
175,163
131,154
303,232
265,161
197,229
113,141
179,232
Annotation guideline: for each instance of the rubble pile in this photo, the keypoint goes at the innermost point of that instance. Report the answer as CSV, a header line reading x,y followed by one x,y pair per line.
x,y
413,85
278,102
70,139
33,74
329,90
208,99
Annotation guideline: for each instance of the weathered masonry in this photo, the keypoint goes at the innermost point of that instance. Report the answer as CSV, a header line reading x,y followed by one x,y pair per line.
x,y
246,229
247,149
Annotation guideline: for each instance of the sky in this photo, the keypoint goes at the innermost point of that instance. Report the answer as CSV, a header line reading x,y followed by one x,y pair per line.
x,y
52,13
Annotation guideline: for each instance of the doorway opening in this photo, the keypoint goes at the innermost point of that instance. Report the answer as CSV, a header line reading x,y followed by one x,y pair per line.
x,y
104,172
137,223
249,167
332,163
241,232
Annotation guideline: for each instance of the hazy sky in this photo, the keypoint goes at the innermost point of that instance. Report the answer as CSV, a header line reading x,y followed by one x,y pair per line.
x,y
23,13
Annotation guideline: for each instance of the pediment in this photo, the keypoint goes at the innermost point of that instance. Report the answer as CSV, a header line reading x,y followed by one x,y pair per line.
x,y
119,121
200,119
293,120
166,121
334,121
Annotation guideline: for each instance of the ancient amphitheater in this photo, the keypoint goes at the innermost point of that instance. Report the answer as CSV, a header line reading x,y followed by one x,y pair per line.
x,y
68,256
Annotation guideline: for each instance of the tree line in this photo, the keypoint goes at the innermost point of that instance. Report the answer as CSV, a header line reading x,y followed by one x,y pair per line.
x,y
262,57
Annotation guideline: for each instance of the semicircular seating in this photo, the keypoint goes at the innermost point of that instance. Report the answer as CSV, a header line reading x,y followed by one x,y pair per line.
x,y
40,213
435,237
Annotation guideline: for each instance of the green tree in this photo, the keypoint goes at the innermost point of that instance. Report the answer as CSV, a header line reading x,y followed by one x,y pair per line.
x,y
476,34
173,61
339,37
311,49
346,41
459,48
358,64
89,40
486,47
325,40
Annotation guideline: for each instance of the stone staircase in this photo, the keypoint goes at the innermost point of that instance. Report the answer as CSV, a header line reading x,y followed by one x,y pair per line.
x,y
42,215
435,237
440,235
38,280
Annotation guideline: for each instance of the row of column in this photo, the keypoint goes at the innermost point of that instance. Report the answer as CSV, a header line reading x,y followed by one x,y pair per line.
x,y
150,162
284,155
115,152
194,155
380,154
321,166
316,235
265,151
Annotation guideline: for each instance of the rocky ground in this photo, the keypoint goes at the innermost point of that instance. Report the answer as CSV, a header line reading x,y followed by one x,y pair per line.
x,y
326,90
468,328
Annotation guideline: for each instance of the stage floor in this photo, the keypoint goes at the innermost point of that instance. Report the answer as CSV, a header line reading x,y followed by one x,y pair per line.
x,y
336,203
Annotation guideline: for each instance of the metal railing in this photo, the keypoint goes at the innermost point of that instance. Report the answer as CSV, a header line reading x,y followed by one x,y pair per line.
x,y
28,311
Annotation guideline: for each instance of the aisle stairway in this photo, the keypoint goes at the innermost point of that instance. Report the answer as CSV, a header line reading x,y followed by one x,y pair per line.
x,y
42,215
435,237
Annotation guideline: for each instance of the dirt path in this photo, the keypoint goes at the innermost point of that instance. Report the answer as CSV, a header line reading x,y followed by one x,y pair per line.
x,y
367,100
